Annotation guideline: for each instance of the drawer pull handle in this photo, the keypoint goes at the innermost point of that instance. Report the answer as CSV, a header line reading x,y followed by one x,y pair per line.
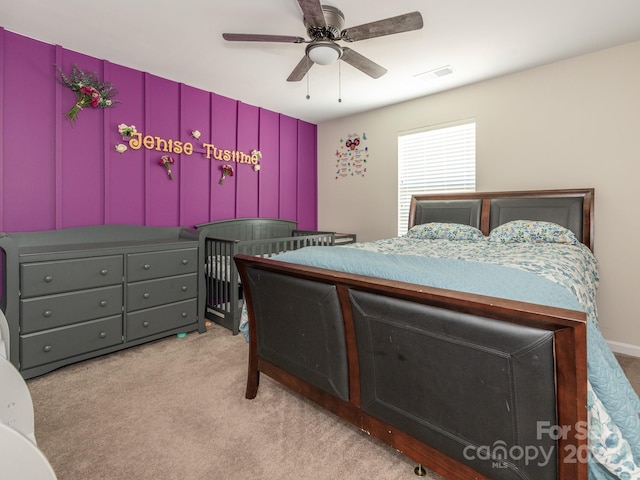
x,y
145,324
47,348
146,295
104,271
184,288
184,314
103,335
185,261
48,278
147,266
47,313
103,303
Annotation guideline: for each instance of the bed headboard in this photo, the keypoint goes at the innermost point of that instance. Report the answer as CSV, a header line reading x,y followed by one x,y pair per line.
x,y
571,208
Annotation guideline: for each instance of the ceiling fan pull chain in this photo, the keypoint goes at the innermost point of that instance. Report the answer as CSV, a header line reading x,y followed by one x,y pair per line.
x,y
308,96
339,82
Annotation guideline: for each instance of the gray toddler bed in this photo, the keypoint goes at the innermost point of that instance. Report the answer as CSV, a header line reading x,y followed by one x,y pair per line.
x,y
260,237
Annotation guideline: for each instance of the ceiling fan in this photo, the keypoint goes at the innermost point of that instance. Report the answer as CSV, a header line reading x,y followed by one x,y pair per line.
x,y
324,25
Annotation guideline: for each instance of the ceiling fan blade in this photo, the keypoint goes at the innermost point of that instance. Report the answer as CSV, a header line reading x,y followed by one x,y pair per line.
x,y
251,37
312,11
301,70
362,63
388,26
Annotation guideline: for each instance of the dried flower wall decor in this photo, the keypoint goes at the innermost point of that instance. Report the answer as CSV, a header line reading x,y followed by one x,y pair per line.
x,y
127,131
227,171
121,148
166,161
90,92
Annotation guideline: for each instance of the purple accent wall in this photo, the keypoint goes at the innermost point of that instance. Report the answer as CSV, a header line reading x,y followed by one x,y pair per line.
x,y
224,119
306,175
268,200
246,177
288,191
29,142
54,175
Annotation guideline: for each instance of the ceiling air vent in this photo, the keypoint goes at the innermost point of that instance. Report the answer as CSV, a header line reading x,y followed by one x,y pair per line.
x,y
437,73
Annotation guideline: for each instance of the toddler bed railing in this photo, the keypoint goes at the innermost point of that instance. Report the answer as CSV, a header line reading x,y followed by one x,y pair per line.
x,y
258,237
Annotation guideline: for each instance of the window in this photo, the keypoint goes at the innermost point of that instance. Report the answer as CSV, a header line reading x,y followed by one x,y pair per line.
x,y
434,160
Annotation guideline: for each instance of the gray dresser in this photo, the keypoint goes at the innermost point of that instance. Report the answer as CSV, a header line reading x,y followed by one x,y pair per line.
x,y
77,293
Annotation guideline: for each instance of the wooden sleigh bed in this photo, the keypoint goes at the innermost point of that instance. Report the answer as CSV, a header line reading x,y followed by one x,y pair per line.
x,y
463,383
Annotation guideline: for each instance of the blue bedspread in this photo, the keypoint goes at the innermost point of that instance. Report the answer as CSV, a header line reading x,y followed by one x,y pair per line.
x,y
548,274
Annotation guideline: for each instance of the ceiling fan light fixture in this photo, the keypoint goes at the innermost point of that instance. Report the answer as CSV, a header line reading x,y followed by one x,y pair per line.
x,y
323,52
325,27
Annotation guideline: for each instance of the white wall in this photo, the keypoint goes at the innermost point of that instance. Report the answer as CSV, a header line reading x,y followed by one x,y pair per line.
x,y
570,124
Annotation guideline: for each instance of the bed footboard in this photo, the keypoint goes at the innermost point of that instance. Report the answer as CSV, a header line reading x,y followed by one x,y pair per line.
x,y
467,385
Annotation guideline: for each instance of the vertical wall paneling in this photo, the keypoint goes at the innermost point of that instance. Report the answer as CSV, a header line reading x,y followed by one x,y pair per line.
x,y
194,169
269,174
2,177
288,192
246,178
307,168
179,157
126,182
58,143
147,155
224,120
2,186
163,124
82,171
106,164
56,175
28,135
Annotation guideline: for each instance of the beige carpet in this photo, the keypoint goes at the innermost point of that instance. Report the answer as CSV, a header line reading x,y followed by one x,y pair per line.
x,y
175,409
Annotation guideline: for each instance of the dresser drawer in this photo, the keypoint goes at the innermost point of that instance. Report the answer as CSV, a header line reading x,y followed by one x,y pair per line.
x,y
44,278
152,293
159,319
41,313
65,342
144,266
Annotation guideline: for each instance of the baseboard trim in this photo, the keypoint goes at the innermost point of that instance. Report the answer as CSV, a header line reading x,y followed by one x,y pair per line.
x,y
624,348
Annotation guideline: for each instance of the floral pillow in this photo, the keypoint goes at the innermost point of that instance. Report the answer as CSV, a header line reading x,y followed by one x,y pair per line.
x,y
445,231
529,231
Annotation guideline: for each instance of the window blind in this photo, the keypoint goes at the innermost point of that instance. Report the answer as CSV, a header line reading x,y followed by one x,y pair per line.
x,y
435,160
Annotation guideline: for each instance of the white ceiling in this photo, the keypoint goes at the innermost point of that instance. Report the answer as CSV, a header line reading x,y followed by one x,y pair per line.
x,y
182,41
